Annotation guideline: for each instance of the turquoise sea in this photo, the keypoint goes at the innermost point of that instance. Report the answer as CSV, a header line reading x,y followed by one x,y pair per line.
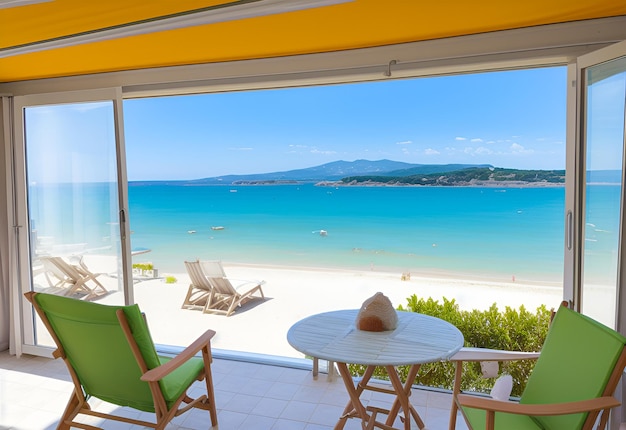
x,y
486,232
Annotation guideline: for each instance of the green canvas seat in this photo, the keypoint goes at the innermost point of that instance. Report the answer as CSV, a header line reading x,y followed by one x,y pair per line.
x,y
571,385
110,355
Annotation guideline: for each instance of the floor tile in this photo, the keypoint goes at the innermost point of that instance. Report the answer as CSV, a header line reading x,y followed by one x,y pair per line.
x,y
34,392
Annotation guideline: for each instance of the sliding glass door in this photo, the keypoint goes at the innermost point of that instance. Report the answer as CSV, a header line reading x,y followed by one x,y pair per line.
x,y
599,165
72,242
603,134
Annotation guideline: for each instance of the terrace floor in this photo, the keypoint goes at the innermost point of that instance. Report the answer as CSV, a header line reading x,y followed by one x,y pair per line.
x,y
34,391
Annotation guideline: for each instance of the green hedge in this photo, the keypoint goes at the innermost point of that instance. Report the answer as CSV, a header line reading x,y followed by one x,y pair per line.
x,y
511,329
143,266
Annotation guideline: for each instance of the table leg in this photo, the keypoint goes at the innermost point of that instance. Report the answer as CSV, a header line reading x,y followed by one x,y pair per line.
x,y
354,408
402,399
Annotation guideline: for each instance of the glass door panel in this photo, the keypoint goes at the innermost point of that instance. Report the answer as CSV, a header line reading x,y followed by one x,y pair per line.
x,y
604,114
74,240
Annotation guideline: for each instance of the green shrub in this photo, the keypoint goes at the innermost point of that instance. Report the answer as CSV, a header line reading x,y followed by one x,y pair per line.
x,y
170,280
511,329
143,266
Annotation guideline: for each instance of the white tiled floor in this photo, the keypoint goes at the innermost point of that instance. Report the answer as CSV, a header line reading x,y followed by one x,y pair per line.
x,y
34,391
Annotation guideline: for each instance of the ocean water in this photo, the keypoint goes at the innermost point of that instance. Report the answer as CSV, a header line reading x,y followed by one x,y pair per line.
x,y
486,232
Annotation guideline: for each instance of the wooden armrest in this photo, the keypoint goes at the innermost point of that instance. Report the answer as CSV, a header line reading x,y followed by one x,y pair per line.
x,y
486,354
488,404
160,372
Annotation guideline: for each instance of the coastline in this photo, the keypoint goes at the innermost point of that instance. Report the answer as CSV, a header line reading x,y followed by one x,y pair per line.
x,y
260,326
473,183
422,274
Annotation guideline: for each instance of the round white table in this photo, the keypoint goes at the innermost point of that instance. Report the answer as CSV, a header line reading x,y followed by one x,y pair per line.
x,y
417,339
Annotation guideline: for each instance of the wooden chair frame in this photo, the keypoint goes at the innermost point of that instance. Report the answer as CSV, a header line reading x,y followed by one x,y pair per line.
x,y
77,277
200,292
479,355
226,297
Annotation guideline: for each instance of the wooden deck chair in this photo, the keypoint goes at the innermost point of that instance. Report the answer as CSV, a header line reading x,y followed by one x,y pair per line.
x,y
78,278
110,355
55,277
570,387
200,291
226,295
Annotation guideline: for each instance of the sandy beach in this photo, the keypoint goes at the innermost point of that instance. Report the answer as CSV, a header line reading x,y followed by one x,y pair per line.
x,y
260,326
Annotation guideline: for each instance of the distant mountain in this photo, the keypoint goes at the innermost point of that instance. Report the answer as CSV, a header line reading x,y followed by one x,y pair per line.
x,y
333,171
389,172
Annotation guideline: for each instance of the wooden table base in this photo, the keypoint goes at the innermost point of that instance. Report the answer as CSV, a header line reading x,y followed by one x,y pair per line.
x,y
355,408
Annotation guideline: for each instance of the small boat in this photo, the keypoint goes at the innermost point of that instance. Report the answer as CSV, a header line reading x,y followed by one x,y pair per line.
x,y
191,231
219,227
323,233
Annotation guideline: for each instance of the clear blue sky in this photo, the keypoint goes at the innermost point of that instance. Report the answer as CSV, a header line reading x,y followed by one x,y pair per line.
x,y
510,119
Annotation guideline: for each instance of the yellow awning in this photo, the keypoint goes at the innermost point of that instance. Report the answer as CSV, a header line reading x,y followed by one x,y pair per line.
x,y
356,24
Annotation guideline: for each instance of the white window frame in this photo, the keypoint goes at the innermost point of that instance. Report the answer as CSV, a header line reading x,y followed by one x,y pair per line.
x,y
23,317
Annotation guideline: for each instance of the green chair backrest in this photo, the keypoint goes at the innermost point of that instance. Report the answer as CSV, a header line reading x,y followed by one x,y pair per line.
x,y
97,349
576,361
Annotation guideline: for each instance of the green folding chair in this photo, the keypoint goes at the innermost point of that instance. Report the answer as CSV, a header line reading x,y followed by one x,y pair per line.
x,y
571,386
110,355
